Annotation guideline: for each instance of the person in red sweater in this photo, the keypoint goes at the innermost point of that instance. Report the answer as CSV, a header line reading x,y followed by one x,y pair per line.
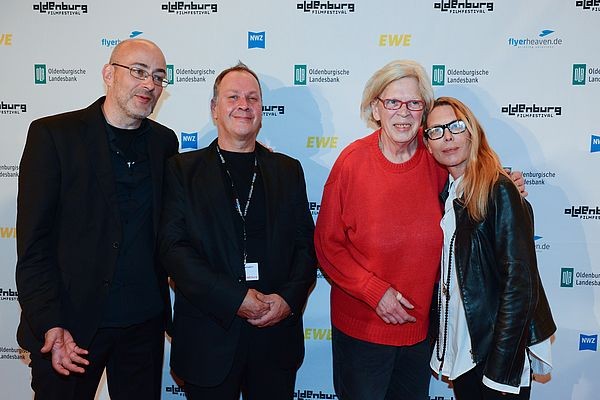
x,y
378,239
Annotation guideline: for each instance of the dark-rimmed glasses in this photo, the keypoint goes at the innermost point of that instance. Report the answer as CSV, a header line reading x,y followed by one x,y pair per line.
x,y
142,75
437,132
395,104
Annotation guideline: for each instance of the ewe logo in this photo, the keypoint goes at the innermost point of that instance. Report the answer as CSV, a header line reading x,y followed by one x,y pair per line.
x,y
6,39
322,142
256,40
8,232
189,140
394,39
588,342
317,333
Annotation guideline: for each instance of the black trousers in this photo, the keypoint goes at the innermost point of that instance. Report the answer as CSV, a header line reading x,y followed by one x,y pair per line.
x,y
133,358
250,375
371,371
469,386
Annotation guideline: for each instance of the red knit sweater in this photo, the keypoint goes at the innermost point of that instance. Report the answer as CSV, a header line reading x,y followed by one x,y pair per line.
x,y
379,226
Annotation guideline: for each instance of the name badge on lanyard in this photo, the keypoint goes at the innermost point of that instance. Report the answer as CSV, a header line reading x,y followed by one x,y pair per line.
x,y
251,270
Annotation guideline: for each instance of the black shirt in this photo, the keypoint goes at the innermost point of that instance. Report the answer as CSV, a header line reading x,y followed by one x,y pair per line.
x,y
241,168
133,295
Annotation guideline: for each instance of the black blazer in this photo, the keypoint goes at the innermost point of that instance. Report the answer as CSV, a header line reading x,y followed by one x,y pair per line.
x,y
505,304
201,252
68,227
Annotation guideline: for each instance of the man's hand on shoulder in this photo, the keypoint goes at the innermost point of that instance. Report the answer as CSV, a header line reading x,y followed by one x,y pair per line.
x,y
517,177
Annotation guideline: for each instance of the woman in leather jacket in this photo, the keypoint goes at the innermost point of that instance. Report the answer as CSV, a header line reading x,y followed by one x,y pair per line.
x,y
494,318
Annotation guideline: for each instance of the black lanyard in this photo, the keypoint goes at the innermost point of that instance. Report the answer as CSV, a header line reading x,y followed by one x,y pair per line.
x,y
238,207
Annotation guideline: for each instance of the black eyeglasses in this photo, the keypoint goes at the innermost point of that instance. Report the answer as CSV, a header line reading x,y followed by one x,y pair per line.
x,y
395,104
142,75
437,132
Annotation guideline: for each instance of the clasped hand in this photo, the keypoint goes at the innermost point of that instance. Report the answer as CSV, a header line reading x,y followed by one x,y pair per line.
x,y
263,310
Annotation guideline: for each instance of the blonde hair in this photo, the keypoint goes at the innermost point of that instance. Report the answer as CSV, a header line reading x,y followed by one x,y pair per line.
x,y
391,72
483,166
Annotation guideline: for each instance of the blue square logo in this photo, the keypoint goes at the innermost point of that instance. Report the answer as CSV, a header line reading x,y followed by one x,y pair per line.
x,y
588,342
256,40
189,140
595,144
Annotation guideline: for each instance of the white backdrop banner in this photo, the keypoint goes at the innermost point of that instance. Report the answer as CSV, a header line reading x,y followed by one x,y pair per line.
x,y
529,69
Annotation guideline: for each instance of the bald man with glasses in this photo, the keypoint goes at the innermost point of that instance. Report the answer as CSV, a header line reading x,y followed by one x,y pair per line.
x,y
92,294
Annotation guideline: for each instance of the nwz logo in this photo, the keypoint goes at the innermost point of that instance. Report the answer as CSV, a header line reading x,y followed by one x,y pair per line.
x,y
588,342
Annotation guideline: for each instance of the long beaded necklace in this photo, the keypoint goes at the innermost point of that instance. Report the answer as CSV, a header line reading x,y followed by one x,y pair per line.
x,y
445,288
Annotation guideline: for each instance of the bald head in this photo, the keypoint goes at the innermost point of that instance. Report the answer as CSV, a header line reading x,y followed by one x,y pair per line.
x,y
132,45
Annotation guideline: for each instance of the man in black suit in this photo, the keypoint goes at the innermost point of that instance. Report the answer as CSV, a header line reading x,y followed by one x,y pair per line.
x,y
236,237
91,291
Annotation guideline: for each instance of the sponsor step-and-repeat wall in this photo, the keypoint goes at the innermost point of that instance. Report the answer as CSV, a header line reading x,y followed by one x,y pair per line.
x,y
529,69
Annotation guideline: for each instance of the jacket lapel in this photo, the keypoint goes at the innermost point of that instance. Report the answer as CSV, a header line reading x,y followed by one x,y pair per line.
x,y
157,159
98,154
268,173
209,184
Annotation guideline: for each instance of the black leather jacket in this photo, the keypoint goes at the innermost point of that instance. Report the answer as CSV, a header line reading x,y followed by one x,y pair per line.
x,y
505,304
